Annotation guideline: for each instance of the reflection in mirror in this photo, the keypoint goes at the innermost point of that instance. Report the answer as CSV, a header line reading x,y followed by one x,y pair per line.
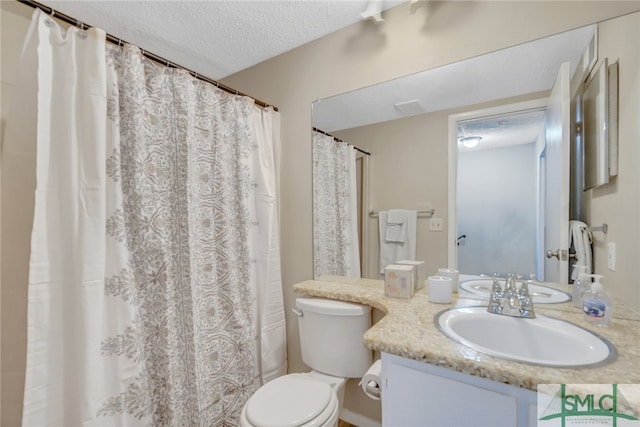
x,y
335,205
409,168
599,110
497,193
523,69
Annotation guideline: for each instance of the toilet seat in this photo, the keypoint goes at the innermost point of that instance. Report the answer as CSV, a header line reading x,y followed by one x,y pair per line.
x,y
290,401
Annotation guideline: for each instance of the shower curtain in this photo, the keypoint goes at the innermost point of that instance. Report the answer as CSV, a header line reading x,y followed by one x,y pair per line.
x,y
335,212
154,285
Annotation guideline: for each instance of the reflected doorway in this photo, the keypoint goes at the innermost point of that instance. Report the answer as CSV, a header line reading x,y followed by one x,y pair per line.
x,y
492,221
498,192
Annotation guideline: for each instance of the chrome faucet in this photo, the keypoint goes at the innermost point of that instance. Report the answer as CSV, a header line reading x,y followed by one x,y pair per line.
x,y
511,301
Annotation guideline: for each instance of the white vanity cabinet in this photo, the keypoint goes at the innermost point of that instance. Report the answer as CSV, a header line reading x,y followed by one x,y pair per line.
x,y
419,394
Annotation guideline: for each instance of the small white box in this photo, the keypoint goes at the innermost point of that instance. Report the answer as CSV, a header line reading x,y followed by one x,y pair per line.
x,y
398,281
421,274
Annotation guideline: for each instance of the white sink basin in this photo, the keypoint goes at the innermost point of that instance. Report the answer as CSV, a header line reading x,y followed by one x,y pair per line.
x,y
481,288
542,341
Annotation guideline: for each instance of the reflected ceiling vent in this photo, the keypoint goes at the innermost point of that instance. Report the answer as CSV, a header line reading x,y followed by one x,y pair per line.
x,y
409,108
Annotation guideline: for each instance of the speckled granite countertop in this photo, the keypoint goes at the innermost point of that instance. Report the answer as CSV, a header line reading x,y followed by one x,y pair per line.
x,y
408,330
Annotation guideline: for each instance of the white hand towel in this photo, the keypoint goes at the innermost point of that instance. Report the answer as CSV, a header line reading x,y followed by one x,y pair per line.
x,y
391,252
396,226
581,238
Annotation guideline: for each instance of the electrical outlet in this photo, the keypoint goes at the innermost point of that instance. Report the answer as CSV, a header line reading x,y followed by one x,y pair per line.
x,y
611,256
435,224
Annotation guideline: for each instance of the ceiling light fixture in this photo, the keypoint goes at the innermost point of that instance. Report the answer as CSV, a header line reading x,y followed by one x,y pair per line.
x,y
470,141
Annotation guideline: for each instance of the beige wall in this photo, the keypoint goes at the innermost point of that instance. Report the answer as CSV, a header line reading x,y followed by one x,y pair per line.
x,y
16,229
407,168
357,56
365,54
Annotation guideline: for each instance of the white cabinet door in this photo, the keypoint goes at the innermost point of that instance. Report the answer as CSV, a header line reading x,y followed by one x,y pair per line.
x,y
417,394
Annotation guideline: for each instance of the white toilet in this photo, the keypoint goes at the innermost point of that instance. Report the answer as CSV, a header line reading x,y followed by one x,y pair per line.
x,y
331,343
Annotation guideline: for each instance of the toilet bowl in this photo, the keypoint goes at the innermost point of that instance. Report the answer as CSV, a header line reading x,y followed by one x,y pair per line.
x,y
310,399
331,343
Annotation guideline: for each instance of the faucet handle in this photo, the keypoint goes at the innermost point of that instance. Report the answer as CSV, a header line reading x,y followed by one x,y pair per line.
x,y
523,291
510,286
496,289
495,298
495,305
526,307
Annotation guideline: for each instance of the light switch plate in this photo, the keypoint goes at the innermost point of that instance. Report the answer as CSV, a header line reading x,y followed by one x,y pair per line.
x,y
435,224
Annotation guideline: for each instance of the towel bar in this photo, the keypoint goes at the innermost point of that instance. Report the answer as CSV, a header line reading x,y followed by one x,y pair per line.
x,y
421,214
604,228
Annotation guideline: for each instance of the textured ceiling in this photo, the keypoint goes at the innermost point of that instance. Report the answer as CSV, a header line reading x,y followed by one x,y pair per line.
x,y
217,38
505,130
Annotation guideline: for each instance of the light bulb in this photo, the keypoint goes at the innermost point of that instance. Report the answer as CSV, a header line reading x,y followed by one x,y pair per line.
x,y
470,141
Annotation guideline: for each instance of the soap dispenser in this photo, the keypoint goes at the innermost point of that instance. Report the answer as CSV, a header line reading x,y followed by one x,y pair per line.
x,y
596,304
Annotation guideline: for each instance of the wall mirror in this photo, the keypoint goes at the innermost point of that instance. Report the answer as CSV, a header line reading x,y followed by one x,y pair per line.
x,y
404,124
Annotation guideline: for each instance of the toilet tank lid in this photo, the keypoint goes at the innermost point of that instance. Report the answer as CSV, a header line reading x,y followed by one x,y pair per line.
x,y
332,307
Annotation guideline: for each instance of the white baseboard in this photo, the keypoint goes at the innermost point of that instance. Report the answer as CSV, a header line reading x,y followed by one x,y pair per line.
x,y
358,419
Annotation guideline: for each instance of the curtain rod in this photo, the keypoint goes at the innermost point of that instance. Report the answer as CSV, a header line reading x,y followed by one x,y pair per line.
x,y
116,40
339,140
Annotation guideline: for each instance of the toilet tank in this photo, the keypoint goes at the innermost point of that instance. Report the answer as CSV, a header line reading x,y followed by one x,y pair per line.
x,y
331,336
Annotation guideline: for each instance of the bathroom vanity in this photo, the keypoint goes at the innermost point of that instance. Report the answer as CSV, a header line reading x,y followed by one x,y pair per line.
x,y
429,379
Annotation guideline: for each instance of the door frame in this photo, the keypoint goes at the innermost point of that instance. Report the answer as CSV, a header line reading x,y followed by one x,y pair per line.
x,y
535,104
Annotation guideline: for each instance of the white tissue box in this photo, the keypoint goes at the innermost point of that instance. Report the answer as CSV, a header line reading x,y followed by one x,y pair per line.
x,y
421,274
398,281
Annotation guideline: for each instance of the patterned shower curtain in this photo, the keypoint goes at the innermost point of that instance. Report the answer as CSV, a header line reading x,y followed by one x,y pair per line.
x,y
335,212
153,243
